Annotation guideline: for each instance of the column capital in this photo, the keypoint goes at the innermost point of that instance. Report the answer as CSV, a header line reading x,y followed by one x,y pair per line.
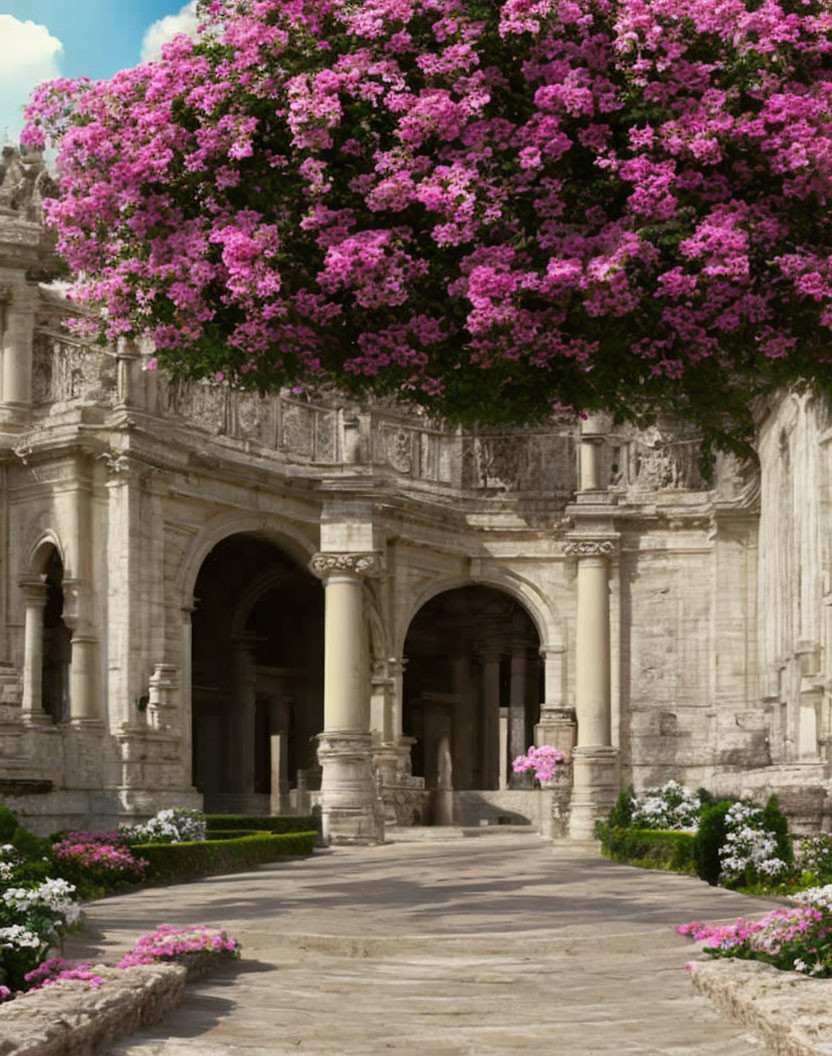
x,y
34,588
588,546
364,563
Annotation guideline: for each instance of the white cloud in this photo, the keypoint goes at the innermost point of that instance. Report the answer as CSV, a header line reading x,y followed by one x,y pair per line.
x,y
167,28
30,55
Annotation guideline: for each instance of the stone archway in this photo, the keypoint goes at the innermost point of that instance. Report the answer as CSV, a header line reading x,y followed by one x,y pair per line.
x,y
472,688
257,675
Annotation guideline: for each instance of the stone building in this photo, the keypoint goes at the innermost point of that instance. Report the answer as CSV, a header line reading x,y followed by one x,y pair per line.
x,y
271,603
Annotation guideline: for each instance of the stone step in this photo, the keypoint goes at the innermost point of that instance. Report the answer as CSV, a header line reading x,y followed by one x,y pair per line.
x,y
429,833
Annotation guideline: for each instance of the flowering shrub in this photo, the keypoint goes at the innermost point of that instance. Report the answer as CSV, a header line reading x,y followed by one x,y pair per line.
x,y
167,943
750,851
816,855
799,939
543,762
671,807
498,208
31,920
177,825
97,856
819,897
10,859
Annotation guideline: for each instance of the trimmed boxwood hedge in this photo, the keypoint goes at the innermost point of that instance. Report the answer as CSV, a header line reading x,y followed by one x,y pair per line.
x,y
171,862
262,822
649,848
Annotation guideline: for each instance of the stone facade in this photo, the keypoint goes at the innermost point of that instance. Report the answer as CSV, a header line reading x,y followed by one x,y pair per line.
x,y
266,603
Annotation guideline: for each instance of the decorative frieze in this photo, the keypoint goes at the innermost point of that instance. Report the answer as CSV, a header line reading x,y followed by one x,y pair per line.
x,y
589,548
369,563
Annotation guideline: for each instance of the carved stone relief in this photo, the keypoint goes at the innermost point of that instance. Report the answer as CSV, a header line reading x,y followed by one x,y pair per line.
x,y
298,429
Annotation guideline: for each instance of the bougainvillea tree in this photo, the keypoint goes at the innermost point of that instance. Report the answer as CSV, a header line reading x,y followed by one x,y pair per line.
x,y
496,208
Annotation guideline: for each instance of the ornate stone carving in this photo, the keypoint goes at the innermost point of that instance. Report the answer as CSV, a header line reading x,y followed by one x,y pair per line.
x,y
589,548
24,183
298,428
369,563
399,449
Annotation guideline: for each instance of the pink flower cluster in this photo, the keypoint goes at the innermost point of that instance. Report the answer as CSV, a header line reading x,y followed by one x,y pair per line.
x,y
167,943
57,969
584,202
100,851
799,939
543,762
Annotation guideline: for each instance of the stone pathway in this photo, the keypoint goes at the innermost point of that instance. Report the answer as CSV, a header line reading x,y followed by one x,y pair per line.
x,y
471,947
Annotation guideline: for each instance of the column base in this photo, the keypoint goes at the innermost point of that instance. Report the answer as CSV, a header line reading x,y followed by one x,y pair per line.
x,y
36,718
350,809
594,790
86,722
15,418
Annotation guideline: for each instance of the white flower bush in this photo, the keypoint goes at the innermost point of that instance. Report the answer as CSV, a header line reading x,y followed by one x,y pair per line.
x,y
33,917
55,896
669,807
748,843
9,859
819,897
174,825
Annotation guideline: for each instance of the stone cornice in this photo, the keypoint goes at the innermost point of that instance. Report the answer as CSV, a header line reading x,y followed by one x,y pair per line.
x,y
365,563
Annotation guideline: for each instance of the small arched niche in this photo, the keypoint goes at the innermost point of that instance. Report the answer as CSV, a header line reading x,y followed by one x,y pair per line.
x,y
57,637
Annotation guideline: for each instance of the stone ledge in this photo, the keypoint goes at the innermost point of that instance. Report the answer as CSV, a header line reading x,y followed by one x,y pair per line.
x,y
73,1019
790,1012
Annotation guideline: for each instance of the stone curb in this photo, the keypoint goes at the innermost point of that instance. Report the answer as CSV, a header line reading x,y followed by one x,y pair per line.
x,y
790,1012
73,1019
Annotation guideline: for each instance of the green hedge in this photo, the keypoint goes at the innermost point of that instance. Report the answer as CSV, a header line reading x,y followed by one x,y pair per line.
x,y
649,848
262,822
172,862
235,834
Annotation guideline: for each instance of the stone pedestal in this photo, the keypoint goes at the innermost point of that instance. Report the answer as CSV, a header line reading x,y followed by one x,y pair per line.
x,y
349,809
594,788
558,728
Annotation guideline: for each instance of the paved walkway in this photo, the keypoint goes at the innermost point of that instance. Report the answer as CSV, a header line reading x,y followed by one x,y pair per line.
x,y
472,947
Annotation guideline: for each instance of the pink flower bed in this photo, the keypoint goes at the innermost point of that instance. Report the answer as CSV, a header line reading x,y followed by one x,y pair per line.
x,y
166,943
100,851
799,939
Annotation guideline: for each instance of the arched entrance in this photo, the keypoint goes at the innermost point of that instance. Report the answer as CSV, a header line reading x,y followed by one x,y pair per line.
x,y
257,675
472,688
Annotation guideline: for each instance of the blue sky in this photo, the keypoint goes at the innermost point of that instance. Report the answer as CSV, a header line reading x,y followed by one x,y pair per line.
x,y
41,39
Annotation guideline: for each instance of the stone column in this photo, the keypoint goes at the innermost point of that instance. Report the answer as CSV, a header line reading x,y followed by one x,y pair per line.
x,y
490,720
35,590
243,708
79,596
350,812
502,780
83,679
517,710
595,760
593,543
17,325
